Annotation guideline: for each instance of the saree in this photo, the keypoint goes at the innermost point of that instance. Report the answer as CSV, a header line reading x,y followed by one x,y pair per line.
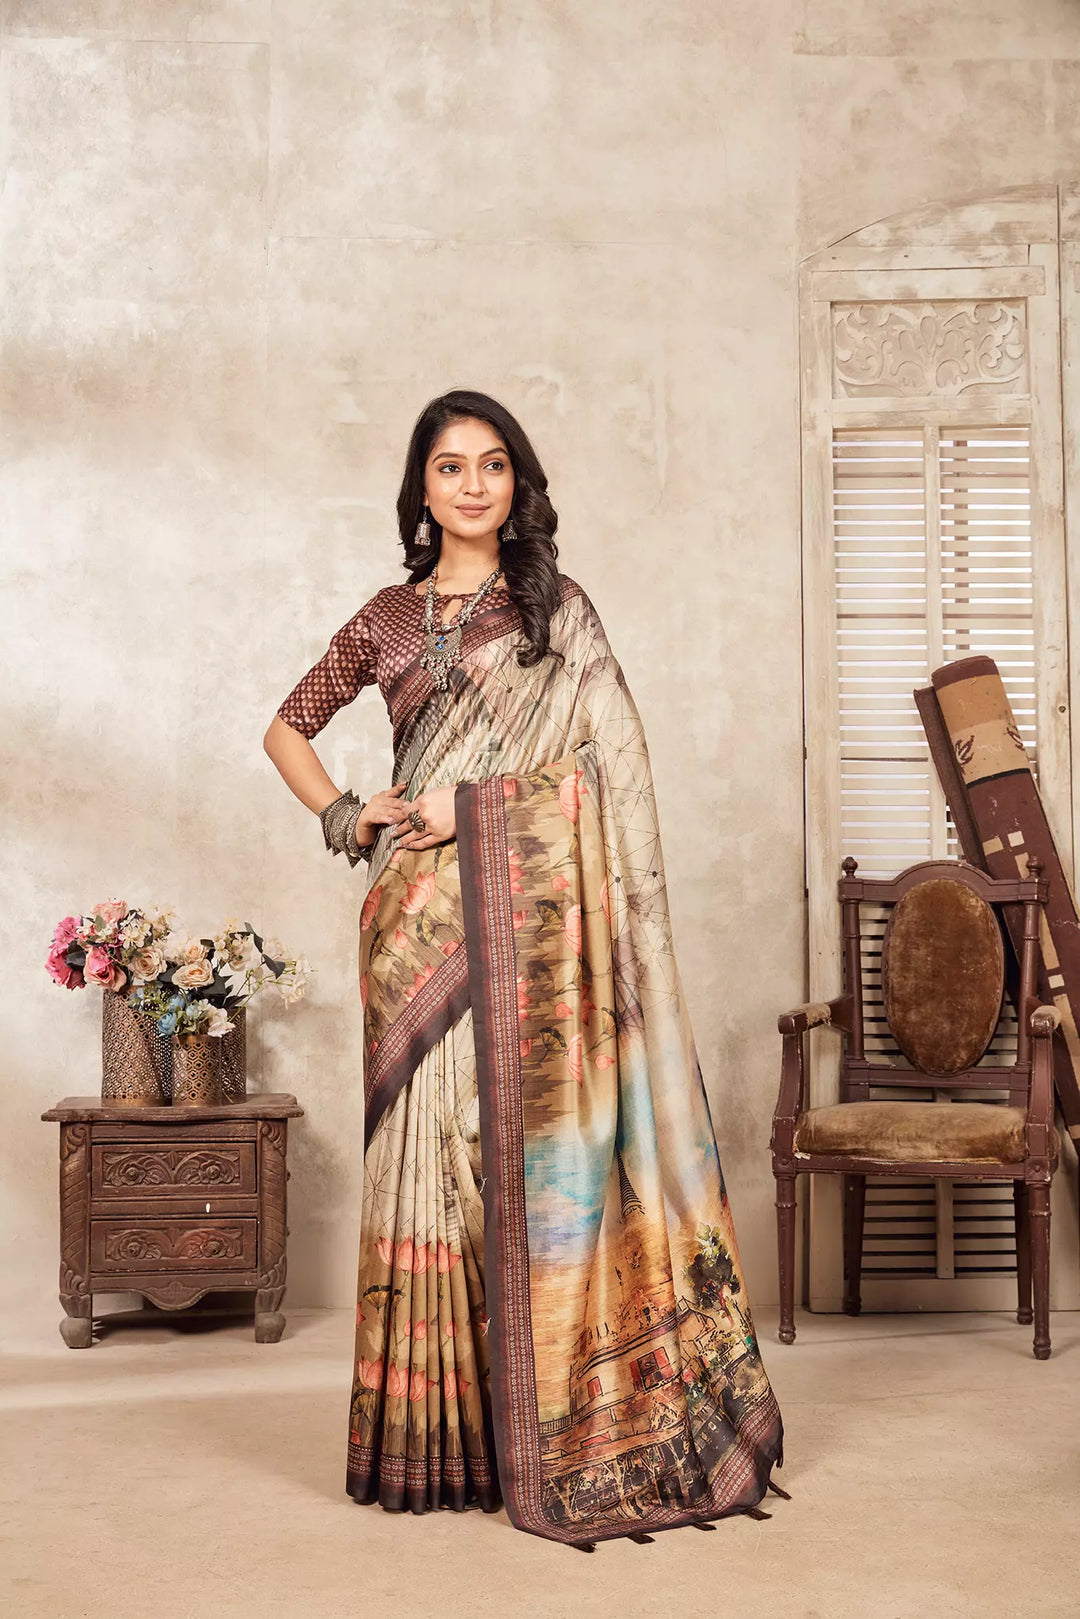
x,y
551,1312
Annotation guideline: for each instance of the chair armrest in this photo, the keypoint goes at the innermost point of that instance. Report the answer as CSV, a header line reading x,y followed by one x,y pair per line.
x,y
1040,1117
1044,1020
836,1014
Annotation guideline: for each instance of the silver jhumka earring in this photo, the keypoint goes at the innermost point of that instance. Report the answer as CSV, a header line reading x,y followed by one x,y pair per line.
x,y
510,533
423,530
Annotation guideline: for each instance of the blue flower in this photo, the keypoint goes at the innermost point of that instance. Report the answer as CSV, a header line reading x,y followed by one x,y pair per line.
x,y
167,1023
175,1002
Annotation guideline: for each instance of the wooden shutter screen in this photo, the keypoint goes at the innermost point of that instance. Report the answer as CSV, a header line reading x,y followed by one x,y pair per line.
x,y
932,529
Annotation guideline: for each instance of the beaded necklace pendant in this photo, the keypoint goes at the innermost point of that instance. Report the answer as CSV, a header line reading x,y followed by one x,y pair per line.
x,y
444,640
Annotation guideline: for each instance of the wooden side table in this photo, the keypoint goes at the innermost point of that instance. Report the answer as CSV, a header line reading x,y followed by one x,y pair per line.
x,y
172,1203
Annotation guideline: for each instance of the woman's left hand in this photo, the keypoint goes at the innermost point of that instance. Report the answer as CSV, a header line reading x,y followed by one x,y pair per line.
x,y
440,823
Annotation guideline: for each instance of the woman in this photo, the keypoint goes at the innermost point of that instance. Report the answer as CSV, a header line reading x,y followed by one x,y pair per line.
x,y
550,1309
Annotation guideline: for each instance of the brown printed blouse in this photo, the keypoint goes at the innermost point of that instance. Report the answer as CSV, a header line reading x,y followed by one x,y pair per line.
x,y
375,646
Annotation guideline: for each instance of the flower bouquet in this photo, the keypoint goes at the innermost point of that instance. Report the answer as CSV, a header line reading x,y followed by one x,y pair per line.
x,y
174,1010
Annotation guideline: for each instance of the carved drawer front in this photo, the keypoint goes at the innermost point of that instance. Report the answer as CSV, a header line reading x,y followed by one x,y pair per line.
x,y
184,1242
144,1169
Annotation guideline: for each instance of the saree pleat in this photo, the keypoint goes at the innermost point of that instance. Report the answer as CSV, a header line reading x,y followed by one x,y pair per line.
x,y
420,1424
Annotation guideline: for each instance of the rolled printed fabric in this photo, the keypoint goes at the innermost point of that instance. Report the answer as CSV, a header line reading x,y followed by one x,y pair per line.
x,y
987,778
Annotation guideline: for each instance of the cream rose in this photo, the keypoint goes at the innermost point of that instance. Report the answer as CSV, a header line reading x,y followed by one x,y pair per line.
x,y
147,963
193,974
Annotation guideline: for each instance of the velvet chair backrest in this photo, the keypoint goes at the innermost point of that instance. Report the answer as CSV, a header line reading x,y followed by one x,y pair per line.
x,y
943,977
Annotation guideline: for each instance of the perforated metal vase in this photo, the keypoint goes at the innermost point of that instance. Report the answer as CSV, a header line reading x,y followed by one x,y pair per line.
x,y
134,1057
196,1080
234,1058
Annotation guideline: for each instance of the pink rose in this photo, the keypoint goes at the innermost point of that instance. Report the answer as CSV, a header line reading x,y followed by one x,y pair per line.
x,y
111,912
102,970
60,972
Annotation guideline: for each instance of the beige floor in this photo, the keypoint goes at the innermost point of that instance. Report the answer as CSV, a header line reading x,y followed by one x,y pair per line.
x,y
177,1474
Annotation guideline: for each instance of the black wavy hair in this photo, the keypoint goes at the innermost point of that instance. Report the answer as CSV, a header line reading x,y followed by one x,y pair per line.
x,y
529,562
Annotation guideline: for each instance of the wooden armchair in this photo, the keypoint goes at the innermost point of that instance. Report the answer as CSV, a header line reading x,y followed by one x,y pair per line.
x,y
943,983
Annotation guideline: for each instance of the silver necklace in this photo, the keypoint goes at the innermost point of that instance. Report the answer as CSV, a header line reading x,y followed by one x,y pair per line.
x,y
444,640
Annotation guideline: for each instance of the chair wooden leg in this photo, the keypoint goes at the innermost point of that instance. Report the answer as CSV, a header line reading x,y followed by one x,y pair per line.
x,y
1023,1254
854,1212
1039,1216
785,1243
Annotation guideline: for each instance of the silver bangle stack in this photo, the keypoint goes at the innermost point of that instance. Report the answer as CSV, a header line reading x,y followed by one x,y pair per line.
x,y
339,827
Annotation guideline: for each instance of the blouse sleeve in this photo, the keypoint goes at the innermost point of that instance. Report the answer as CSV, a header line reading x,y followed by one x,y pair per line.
x,y
348,664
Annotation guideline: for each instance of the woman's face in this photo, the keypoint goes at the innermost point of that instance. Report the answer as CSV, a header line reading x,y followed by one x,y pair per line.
x,y
469,482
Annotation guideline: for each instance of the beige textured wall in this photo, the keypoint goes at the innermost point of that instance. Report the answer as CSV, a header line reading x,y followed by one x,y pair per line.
x,y
242,244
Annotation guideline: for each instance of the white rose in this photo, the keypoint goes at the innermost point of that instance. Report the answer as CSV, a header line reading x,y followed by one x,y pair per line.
x,y
274,949
218,1023
193,974
242,953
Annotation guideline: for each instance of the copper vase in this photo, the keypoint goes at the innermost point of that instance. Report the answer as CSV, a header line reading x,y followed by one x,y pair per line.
x,y
134,1057
196,1076
234,1058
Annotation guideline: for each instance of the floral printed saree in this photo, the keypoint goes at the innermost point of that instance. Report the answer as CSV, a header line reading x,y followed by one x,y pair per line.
x,y
550,1312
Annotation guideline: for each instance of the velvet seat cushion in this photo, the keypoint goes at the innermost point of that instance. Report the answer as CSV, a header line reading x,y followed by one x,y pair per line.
x,y
921,1132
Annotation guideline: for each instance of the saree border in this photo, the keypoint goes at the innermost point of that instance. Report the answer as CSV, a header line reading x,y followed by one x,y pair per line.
x,y
741,1479
435,1007
414,685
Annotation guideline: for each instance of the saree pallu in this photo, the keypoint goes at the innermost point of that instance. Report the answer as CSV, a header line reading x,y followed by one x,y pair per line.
x,y
551,1311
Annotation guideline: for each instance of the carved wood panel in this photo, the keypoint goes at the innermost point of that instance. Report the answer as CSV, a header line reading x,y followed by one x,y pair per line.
x,y
142,1169
170,1244
938,347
